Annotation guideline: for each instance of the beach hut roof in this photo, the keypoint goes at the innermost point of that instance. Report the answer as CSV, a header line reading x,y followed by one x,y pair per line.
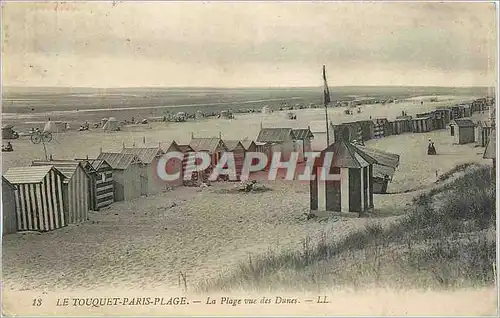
x,y
490,151
380,171
464,123
233,144
185,148
32,174
247,144
146,155
275,134
6,182
483,123
119,161
382,157
94,164
66,167
346,155
206,144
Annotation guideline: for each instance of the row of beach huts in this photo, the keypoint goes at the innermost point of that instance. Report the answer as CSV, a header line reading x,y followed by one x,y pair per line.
x,y
51,194
457,117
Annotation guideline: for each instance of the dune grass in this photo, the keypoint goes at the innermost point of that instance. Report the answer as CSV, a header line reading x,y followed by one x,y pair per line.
x,y
448,240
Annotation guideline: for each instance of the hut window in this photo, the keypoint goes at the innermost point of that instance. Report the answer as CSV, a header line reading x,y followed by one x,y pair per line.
x,y
103,177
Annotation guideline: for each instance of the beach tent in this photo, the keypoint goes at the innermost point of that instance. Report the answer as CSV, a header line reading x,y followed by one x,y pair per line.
x,y
383,169
266,110
352,191
9,219
54,127
111,124
39,197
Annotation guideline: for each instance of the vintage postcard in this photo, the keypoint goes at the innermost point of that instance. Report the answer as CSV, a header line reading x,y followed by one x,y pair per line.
x,y
249,158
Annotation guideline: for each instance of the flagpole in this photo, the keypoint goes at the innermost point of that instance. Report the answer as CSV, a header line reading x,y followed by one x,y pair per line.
x,y
326,99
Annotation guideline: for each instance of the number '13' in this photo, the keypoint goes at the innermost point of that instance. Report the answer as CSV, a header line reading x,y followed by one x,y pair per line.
x,y
37,302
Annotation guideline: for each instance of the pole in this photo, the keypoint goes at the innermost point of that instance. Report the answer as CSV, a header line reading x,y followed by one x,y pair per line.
x,y
326,100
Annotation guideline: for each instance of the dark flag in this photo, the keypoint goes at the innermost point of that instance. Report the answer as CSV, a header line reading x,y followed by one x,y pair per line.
x,y
326,91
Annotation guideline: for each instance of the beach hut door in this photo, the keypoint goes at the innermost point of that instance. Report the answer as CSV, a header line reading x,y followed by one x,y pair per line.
x,y
144,186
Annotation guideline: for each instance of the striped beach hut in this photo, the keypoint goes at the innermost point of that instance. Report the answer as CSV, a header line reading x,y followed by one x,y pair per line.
x,y
352,187
76,188
149,157
127,175
101,183
238,150
379,127
422,124
9,218
483,131
187,151
39,197
383,169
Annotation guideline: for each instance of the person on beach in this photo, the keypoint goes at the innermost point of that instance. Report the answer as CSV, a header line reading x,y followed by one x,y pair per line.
x,y
431,150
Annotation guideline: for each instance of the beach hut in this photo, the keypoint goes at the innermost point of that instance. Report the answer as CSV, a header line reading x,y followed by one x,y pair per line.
x,y
379,128
9,218
111,125
238,151
438,121
352,189
383,169
346,131
277,140
483,131
149,157
303,141
422,124
213,146
127,175
445,114
367,129
76,188
490,151
402,124
467,110
462,130
101,183
39,197
187,151
457,111
175,165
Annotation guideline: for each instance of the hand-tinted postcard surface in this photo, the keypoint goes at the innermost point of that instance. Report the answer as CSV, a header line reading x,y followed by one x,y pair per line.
x,y
249,158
